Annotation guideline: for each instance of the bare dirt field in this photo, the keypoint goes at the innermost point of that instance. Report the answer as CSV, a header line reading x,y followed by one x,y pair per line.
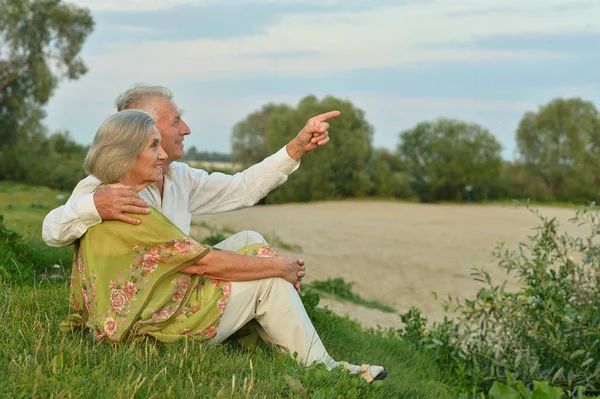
x,y
395,253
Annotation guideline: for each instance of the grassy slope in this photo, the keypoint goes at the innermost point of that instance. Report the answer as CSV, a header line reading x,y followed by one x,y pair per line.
x,y
38,359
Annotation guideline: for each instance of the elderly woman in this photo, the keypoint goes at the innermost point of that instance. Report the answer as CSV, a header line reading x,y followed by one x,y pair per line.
x,y
152,279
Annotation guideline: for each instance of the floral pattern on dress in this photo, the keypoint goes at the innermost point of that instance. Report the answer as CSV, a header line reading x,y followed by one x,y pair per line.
x,y
209,332
181,286
262,251
74,303
138,290
86,286
145,261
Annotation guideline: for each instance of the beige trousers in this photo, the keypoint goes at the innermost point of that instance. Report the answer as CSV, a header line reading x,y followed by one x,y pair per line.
x,y
276,306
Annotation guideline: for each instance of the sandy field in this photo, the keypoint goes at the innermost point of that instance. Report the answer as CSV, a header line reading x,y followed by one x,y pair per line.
x,y
395,253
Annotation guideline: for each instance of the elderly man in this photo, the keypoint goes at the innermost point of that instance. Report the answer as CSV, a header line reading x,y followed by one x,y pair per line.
x,y
183,191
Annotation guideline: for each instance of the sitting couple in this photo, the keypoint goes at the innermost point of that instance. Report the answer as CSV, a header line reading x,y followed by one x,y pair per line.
x,y
136,270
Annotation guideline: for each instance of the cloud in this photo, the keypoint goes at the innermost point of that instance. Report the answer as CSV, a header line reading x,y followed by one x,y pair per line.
x,y
155,5
589,92
379,101
131,29
333,41
134,5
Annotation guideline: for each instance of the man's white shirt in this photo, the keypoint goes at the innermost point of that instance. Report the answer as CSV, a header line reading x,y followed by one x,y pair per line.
x,y
187,191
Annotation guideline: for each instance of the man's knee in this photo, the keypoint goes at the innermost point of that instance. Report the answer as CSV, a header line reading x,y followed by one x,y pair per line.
x,y
241,240
253,237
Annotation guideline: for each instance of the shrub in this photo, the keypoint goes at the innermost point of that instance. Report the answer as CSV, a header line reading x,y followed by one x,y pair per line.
x,y
24,261
549,330
541,390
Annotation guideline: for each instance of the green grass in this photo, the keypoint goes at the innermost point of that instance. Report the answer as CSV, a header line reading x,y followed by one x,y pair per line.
x,y
24,207
340,289
37,359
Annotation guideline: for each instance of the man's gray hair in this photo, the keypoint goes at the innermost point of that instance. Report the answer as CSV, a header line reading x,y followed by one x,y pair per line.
x,y
118,141
141,96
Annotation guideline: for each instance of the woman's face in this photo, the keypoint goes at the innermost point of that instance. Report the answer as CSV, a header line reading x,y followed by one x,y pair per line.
x,y
148,164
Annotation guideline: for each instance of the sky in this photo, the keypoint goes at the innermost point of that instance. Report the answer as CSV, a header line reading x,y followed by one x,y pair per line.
x,y
402,62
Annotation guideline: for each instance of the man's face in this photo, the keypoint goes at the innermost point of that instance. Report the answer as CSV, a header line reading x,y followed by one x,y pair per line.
x,y
172,128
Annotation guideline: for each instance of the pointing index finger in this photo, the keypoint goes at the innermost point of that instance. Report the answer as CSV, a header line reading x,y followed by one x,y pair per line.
x,y
327,115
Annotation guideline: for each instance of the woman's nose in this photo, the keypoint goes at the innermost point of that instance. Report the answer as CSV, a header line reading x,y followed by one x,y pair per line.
x,y
161,153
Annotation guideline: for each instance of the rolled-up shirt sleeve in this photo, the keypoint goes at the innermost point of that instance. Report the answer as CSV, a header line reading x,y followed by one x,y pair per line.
x,y
219,192
67,223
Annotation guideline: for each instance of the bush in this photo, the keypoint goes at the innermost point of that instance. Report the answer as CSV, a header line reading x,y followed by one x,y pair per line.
x,y
541,390
24,261
400,186
547,331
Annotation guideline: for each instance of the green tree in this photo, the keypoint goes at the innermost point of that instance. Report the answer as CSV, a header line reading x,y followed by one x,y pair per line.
x,y
248,141
561,145
517,183
336,170
59,162
191,154
388,175
445,156
40,42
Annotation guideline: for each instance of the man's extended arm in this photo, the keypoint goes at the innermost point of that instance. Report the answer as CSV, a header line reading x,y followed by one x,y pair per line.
x,y
219,192
222,193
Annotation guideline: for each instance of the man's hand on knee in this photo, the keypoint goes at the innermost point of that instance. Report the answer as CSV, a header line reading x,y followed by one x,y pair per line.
x,y
114,199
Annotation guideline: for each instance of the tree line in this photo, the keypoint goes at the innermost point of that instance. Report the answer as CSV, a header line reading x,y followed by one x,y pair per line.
x,y
192,154
437,160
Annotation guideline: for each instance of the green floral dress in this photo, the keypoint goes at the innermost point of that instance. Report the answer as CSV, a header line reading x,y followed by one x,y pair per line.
x,y
127,282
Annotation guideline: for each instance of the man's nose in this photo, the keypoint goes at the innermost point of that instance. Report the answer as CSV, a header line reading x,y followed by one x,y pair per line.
x,y
184,129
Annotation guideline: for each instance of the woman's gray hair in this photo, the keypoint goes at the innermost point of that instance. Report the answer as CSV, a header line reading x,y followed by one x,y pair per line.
x,y
118,141
141,96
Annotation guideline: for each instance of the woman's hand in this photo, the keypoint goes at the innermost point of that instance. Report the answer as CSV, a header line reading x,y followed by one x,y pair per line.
x,y
300,275
292,268
227,265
